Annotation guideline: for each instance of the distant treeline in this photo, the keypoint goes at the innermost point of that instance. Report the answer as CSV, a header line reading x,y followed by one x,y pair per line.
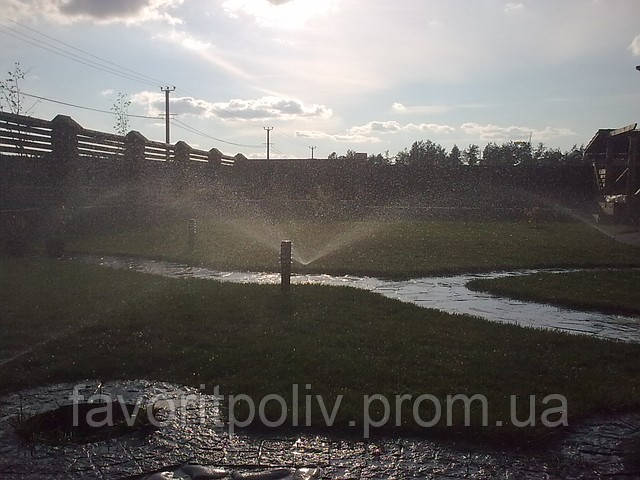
x,y
429,153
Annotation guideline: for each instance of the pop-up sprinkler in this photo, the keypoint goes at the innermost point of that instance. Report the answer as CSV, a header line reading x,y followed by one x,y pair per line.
x,y
285,265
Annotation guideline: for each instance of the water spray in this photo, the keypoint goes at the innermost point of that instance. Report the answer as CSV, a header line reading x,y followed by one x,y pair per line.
x,y
192,230
285,265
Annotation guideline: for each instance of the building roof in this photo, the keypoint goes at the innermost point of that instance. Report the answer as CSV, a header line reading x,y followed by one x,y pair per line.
x,y
598,144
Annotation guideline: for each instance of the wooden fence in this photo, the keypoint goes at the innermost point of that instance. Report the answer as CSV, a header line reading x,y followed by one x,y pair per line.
x,y
31,137
44,162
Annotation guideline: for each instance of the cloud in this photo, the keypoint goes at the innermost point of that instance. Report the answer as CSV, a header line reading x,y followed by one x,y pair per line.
x,y
206,50
490,132
347,138
635,46
107,92
268,108
426,109
98,11
184,39
392,126
265,108
291,14
398,107
513,7
368,133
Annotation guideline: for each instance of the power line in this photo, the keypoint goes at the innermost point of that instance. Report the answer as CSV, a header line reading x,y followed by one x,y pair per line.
x,y
102,59
176,122
273,147
189,128
71,56
60,102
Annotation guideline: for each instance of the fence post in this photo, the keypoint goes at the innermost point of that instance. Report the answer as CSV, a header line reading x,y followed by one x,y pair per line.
x,y
215,158
182,150
134,143
181,161
64,153
65,169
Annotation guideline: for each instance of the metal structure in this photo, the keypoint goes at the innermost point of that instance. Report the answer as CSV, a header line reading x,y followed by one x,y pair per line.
x,y
615,156
285,265
268,130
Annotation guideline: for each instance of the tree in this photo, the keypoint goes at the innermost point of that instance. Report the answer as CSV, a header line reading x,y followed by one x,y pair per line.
x,y
471,154
333,156
11,98
402,157
539,153
491,154
350,155
377,159
120,109
454,156
575,156
425,153
521,153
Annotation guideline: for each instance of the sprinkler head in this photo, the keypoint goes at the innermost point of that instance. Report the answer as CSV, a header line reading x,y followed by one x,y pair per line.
x,y
285,265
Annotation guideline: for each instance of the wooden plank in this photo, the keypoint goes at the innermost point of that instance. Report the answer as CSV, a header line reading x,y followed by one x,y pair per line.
x,y
24,128
105,141
16,137
26,151
151,143
99,156
97,146
620,131
148,148
22,119
102,135
25,144
156,157
100,151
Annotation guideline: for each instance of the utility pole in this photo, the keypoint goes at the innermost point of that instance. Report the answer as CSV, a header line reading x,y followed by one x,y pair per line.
x,y
312,149
166,91
268,130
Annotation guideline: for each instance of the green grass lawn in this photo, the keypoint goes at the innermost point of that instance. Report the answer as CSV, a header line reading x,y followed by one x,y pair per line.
x,y
607,290
111,324
397,249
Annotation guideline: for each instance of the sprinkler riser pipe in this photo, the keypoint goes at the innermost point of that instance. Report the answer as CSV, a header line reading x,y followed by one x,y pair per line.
x,y
285,265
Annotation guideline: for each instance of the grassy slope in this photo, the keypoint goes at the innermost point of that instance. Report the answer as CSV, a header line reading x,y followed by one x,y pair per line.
x,y
392,249
608,291
117,324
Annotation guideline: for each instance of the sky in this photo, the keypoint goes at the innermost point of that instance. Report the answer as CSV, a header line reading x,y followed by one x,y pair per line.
x,y
366,75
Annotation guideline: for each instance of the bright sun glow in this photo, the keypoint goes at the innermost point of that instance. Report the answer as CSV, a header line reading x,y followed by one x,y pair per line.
x,y
290,14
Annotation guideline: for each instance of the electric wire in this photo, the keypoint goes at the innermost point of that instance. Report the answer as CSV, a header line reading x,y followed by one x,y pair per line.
x,y
60,102
189,128
71,56
85,52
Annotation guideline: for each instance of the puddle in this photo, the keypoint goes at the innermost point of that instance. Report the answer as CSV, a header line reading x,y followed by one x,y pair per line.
x,y
188,436
449,294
